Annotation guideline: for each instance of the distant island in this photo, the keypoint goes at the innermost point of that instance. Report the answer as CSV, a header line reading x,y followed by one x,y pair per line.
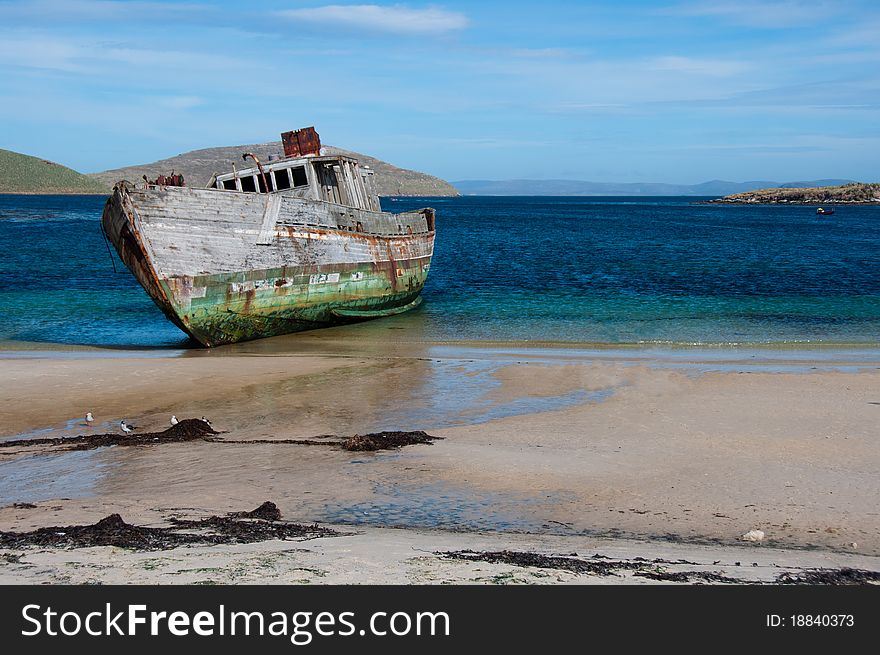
x,y
526,187
21,173
855,193
25,174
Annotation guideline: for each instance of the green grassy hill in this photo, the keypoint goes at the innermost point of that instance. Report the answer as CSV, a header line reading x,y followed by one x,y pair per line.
x,y
25,174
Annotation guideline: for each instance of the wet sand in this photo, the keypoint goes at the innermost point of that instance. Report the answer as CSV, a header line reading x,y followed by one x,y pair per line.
x,y
553,450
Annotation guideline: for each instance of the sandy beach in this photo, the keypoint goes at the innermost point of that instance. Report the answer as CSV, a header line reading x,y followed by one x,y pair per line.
x,y
626,454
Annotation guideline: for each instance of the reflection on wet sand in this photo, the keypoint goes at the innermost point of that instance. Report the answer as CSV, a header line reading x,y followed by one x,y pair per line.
x,y
375,395
698,446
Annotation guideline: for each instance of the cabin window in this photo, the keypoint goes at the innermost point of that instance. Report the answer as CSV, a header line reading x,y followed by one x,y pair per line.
x,y
299,176
263,181
247,185
282,179
229,184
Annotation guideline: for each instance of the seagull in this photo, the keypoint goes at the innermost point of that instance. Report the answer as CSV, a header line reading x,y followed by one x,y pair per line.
x,y
89,418
126,427
174,420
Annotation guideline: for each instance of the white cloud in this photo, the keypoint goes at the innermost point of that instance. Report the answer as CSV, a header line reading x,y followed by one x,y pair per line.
x,y
832,94
712,67
865,34
86,56
761,13
181,60
66,10
395,19
38,52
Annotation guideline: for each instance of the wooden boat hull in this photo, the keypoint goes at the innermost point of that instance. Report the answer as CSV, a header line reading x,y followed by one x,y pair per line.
x,y
228,267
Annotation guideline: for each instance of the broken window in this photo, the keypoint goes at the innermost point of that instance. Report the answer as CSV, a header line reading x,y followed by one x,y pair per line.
x,y
229,184
247,185
282,179
264,180
299,176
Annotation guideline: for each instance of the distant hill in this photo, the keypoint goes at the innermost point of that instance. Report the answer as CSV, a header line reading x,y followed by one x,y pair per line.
x,y
197,167
25,174
854,193
583,188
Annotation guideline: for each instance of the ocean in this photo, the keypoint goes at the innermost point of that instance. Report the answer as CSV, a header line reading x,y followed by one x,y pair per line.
x,y
577,270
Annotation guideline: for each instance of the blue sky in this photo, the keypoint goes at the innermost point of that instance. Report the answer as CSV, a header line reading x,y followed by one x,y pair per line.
x,y
679,91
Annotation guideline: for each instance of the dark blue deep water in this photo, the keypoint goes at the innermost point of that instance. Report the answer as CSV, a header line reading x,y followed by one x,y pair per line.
x,y
594,270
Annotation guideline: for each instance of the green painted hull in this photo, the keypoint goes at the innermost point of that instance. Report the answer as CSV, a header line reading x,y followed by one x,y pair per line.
x,y
258,304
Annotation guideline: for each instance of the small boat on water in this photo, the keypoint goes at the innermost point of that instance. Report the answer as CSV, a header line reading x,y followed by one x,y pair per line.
x,y
299,242
824,212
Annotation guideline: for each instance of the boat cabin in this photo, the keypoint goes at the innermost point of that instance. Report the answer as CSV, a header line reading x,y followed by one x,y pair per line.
x,y
305,173
336,178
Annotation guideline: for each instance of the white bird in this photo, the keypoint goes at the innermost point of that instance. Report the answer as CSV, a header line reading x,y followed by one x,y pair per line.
x,y
174,420
89,418
126,427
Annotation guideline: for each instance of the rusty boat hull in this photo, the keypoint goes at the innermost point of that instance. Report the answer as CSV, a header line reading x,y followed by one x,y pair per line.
x,y
226,266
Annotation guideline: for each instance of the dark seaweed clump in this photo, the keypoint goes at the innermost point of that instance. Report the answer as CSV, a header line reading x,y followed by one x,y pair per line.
x,y
268,511
596,566
688,576
603,566
193,429
386,440
110,531
233,528
189,429
844,576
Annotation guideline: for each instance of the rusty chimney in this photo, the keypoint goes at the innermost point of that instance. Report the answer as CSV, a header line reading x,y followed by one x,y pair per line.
x,y
301,142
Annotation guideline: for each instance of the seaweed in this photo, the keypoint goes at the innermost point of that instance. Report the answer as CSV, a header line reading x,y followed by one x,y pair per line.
x,y
193,429
842,576
597,566
190,429
260,524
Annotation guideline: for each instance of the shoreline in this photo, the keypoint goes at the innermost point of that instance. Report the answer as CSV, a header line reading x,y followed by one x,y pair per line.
x,y
421,556
297,343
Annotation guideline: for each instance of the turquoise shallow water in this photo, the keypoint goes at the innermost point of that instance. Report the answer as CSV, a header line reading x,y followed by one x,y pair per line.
x,y
579,270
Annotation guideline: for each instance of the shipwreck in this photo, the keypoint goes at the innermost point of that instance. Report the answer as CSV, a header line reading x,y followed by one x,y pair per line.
x,y
294,243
